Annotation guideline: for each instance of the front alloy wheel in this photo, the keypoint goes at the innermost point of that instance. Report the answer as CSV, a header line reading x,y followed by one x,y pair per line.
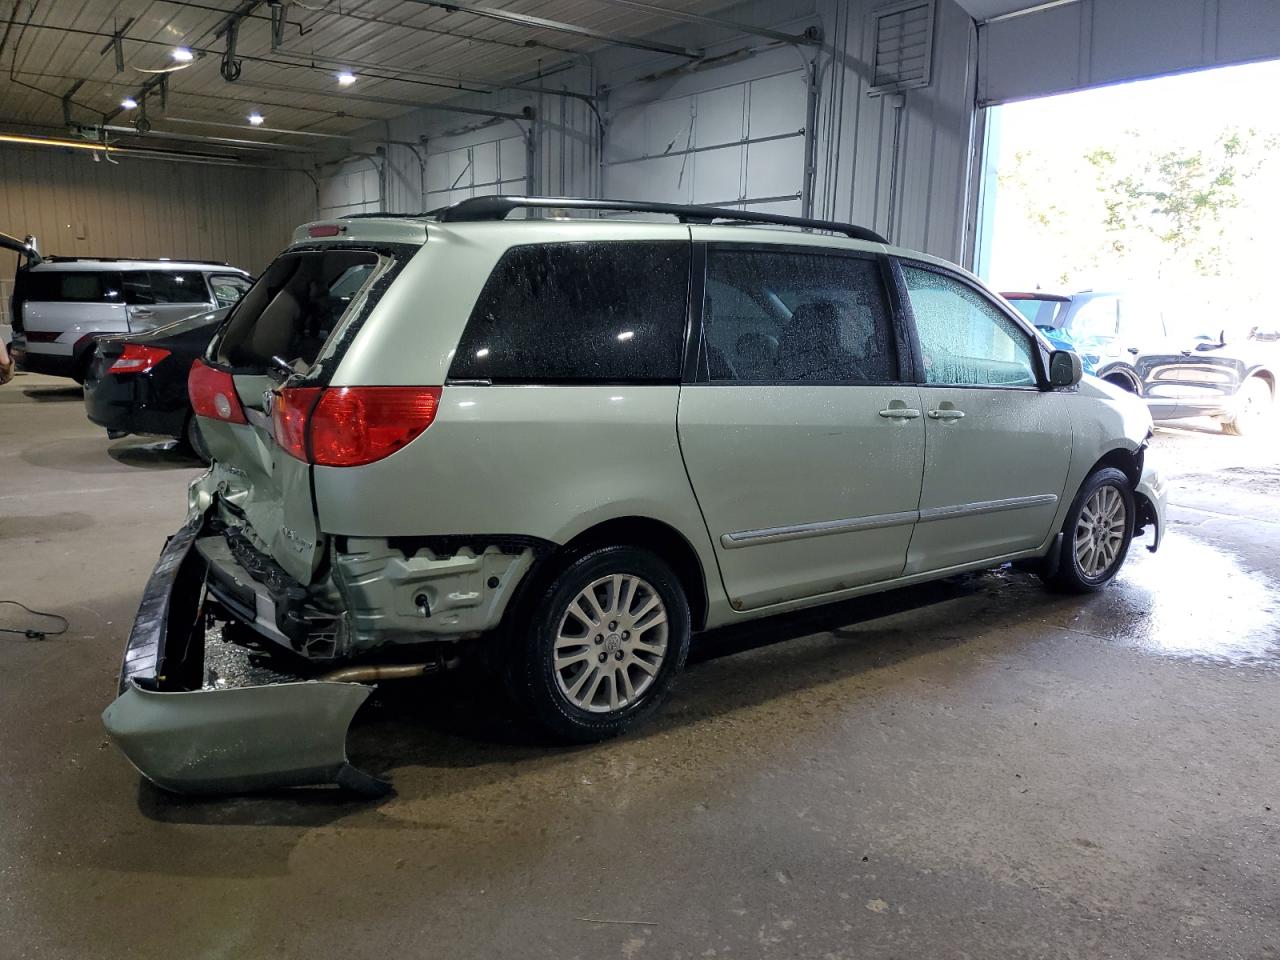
x,y
1100,531
1096,533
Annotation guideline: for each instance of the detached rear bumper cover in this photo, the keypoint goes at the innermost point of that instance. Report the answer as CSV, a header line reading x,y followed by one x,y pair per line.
x,y
192,740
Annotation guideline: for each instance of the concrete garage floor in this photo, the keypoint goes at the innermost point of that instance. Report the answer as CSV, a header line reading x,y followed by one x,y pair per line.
x,y
969,769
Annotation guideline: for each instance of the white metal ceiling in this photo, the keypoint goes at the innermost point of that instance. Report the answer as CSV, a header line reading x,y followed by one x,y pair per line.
x,y
402,51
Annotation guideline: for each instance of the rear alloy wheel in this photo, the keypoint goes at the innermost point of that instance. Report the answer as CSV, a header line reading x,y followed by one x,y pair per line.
x,y
1096,534
1256,410
607,639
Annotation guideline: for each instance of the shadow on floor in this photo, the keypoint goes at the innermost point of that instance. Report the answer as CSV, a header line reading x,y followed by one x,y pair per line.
x,y
54,394
148,453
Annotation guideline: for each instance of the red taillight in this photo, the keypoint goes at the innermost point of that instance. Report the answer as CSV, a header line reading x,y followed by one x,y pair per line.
x,y
325,230
351,426
137,358
213,394
289,412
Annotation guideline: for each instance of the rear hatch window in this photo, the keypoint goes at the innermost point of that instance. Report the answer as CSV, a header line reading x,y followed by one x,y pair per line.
x,y
294,308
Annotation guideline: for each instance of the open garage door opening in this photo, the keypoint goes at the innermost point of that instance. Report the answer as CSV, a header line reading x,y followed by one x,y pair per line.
x,y
1132,223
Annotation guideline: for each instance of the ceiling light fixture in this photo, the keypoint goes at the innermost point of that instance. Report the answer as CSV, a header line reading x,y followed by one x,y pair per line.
x,y
346,78
182,55
256,118
129,103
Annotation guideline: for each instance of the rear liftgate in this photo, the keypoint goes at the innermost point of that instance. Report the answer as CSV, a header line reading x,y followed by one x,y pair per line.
x,y
189,738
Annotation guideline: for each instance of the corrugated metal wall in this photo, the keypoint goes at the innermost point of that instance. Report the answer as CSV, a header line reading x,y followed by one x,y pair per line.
x,y
147,208
471,155
900,166
917,192
729,133
1087,44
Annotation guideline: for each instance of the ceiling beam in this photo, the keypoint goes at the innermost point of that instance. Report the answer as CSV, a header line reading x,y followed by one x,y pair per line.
x,y
810,38
390,101
559,26
240,126
200,138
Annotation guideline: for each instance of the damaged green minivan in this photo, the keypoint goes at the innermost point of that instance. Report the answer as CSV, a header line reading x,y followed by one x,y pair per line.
x,y
567,444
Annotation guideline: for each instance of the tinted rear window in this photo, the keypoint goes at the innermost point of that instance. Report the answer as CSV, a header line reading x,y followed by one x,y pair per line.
x,y
600,312
796,316
151,287
67,286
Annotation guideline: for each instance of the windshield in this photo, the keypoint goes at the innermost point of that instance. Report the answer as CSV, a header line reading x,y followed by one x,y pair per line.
x,y
294,307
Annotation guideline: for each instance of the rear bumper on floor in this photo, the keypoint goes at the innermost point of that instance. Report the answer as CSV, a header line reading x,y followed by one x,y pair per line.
x,y
189,738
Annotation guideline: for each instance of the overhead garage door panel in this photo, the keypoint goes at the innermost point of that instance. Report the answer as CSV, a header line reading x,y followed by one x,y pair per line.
x,y
720,116
775,168
1085,44
1122,35
773,106
658,179
702,147
716,174
1249,28
476,170
352,189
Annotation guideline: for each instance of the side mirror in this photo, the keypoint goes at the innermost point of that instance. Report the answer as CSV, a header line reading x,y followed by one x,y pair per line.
x,y
1065,368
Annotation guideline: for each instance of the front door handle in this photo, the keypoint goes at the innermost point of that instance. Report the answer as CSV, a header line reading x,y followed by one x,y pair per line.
x,y
899,412
946,414
142,312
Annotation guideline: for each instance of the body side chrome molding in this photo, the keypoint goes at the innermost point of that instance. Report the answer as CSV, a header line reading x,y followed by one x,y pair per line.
x,y
820,528
985,506
826,528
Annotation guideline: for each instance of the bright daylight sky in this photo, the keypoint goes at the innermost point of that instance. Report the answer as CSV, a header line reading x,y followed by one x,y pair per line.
x,y
1186,109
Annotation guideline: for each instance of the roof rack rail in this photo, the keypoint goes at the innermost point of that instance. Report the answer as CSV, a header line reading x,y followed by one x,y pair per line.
x,y
174,260
497,208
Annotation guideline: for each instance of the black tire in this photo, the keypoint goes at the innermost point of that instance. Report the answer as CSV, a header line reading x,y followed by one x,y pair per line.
x,y
194,439
1256,410
533,680
1071,575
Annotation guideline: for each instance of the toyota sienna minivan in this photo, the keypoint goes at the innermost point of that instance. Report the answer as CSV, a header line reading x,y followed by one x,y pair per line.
x,y
566,446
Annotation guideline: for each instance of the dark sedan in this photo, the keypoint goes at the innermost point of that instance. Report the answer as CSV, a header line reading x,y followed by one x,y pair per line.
x,y
137,383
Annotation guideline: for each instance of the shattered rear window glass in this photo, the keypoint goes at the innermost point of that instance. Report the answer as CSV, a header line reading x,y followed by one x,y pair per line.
x,y
294,307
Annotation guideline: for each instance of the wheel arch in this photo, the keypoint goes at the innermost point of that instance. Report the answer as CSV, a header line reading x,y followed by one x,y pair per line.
x,y
1128,462
646,533
1132,382
1266,375
662,539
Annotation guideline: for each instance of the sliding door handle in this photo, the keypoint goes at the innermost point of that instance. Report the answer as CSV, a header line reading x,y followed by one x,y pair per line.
x,y
900,413
946,414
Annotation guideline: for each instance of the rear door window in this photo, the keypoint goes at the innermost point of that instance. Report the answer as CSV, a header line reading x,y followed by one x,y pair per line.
x,y
185,286
294,306
228,288
796,317
67,286
598,312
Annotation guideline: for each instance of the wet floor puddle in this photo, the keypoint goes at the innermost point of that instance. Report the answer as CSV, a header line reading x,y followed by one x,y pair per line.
x,y
1189,600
